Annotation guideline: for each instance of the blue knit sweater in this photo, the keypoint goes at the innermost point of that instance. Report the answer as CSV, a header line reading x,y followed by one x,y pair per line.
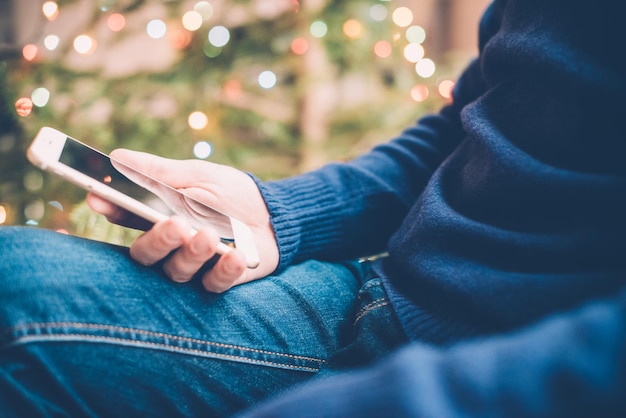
x,y
505,219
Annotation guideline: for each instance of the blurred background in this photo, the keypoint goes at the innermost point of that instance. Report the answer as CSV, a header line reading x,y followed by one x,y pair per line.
x,y
274,87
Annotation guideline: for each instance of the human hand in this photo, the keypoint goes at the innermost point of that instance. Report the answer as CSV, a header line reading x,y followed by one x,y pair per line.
x,y
226,189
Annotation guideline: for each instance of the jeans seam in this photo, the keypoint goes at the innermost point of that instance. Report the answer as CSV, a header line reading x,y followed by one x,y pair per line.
x,y
135,342
378,303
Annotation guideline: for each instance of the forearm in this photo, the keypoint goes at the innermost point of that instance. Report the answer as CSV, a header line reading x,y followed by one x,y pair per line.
x,y
351,209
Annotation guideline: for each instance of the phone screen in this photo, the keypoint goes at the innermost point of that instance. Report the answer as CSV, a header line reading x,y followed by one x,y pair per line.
x,y
143,188
98,166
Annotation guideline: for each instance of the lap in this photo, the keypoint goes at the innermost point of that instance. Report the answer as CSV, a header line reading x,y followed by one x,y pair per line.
x,y
81,323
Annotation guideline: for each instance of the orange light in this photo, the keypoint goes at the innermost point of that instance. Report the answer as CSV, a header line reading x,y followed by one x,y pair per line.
x,y
23,106
29,52
116,22
180,38
232,89
445,88
107,179
352,28
299,46
382,49
419,93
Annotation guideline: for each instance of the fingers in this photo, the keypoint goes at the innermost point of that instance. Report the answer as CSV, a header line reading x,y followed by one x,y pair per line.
x,y
186,254
229,271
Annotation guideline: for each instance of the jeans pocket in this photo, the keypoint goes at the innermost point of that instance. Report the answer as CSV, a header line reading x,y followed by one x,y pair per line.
x,y
374,330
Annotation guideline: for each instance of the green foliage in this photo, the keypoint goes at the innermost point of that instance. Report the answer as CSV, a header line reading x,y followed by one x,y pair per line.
x,y
256,130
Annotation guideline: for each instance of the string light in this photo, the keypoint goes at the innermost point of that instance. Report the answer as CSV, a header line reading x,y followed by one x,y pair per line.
x,y
24,106
192,20
116,22
40,96
352,28
29,52
202,150
445,88
378,12
413,52
84,44
156,28
232,89
425,68
35,210
402,16
51,42
319,29
3,215
50,10
219,36
382,49
205,9
267,79
299,46
415,34
198,120
419,93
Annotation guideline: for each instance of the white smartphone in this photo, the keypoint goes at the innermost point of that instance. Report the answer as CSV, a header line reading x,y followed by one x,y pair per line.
x,y
94,171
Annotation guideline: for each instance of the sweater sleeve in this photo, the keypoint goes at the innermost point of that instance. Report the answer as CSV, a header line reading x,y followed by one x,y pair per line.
x,y
350,209
569,365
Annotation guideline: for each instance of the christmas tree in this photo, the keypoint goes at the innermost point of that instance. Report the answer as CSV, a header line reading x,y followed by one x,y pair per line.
x,y
271,87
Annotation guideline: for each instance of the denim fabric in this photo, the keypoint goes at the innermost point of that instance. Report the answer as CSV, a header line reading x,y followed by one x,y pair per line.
x,y
84,331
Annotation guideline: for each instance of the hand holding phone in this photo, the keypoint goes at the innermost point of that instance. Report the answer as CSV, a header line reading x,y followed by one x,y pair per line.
x,y
195,186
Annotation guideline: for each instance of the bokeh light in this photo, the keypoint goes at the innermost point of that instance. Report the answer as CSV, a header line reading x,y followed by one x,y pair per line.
x,y
352,28
29,52
3,214
156,28
198,120
382,49
205,9
116,22
51,42
419,93
192,20
413,52
33,181
40,96
35,209
378,12
425,68
50,10
219,36
24,106
232,89
415,34
402,16
180,38
267,79
319,29
299,46
202,150
84,44
211,51
56,204
445,88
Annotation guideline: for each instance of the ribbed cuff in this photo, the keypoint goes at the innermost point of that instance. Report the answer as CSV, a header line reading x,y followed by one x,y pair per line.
x,y
299,210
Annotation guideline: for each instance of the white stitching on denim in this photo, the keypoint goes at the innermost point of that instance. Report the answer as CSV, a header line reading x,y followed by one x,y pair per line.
x,y
158,334
378,303
137,343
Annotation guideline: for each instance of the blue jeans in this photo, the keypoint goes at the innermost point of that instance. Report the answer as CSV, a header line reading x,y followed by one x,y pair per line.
x,y
85,331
